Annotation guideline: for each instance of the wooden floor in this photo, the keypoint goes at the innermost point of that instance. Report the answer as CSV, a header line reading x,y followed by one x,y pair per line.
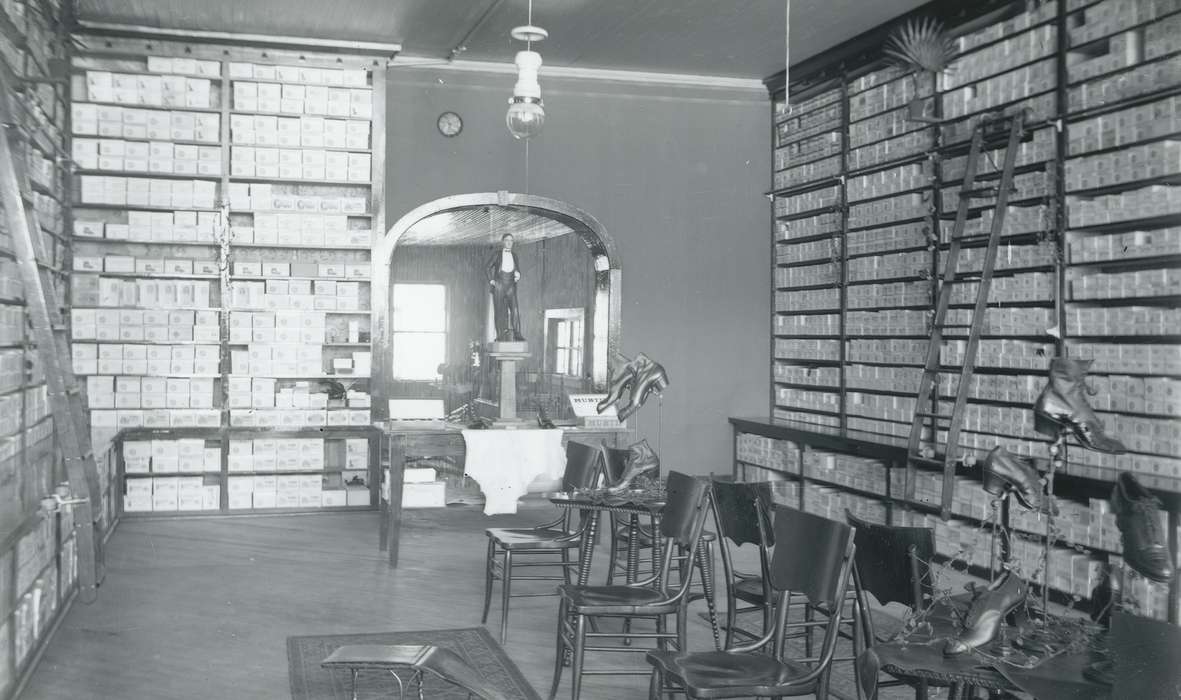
x,y
201,608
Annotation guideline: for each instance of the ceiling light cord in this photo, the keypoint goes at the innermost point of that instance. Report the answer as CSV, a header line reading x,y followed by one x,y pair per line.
x,y
786,54
529,42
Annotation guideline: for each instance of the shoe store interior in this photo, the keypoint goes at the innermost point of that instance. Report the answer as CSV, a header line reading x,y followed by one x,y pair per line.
x,y
522,349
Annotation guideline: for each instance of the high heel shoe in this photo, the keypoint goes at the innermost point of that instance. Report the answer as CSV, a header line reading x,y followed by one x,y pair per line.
x,y
1003,469
987,613
651,379
625,376
1063,405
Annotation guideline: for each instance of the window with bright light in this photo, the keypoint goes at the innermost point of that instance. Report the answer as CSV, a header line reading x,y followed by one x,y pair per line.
x,y
420,330
564,341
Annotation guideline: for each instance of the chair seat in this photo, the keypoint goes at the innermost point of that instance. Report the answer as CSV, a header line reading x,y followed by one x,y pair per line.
x,y
614,600
443,663
376,655
720,674
528,538
750,590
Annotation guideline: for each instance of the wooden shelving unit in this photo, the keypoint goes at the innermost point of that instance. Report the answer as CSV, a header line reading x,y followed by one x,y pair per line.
x,y
275,239
1086,268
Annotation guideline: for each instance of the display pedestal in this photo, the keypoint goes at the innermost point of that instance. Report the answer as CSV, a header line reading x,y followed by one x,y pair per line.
x,y
507,354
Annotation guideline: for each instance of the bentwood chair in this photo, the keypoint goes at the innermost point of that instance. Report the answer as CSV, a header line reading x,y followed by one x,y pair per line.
x,y
877,570
541,543
738,507
682,518
813,556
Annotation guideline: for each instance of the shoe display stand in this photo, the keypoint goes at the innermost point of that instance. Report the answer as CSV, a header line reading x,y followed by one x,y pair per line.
x,y
1087,268
226,206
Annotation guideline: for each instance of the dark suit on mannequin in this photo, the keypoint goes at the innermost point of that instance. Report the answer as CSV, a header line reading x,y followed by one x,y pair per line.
x,y
504,293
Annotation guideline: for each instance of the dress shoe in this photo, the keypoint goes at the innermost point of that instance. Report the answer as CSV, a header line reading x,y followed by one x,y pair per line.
x,y
624,377
1003,469
987,613
651,379
1063,404
1137,514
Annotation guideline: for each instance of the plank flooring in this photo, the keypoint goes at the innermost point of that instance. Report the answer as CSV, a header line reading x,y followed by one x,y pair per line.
x,y
201,607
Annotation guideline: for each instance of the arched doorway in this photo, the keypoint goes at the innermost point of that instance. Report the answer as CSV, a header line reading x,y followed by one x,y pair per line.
x,y
449,220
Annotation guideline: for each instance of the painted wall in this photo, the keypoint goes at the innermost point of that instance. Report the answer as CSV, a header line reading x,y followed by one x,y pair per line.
x,y
675,174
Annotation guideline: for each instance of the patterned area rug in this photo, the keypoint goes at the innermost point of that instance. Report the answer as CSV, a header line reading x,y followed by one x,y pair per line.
x,y
311,682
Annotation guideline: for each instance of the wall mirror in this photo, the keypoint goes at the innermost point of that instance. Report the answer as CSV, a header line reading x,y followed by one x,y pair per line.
x,y
433,310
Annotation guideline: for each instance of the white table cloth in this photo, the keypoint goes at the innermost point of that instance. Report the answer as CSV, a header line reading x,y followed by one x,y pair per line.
x,y
505,462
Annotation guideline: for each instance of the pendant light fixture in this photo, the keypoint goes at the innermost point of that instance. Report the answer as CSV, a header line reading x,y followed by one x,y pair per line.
x,y
526,114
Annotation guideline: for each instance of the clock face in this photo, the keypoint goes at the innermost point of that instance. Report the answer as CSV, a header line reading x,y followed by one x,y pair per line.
x,y
450,124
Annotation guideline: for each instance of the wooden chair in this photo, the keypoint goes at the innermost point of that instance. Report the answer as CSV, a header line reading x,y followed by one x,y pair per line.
x,y
876,569
540,543
682,519
738,506
812,556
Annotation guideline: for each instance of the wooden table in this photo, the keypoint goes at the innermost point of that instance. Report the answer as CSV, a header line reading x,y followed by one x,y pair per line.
x,y
920,656
403,440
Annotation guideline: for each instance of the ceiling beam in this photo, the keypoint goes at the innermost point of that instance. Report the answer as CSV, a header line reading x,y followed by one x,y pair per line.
x,y
369,48
461,46
626,76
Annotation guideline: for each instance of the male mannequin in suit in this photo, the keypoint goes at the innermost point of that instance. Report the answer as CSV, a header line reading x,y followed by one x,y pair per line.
x,y
503,274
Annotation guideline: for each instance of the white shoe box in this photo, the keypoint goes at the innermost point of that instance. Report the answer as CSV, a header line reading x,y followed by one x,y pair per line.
x,y
424,495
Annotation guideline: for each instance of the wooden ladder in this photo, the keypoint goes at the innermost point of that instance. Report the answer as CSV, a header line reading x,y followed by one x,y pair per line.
x,y
49,332
991,130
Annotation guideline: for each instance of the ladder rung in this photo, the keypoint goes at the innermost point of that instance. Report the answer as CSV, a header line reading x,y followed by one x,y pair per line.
x,y
926,460
929,414
974,239
979,192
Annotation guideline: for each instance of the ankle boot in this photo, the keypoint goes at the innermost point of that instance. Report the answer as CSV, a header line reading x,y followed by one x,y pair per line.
x,y
640,460
987,613
1003,469
651,379
625,376
1063,404
1137,514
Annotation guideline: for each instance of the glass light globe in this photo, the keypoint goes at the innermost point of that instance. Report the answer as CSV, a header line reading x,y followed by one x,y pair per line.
x,y
525,117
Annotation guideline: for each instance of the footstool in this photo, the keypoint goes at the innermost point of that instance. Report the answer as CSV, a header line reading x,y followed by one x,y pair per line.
x,y
414,658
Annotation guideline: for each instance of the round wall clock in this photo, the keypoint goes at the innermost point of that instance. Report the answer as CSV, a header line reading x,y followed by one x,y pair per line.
x,y
449,124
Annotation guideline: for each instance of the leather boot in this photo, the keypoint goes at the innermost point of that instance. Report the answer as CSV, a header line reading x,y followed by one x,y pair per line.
x,y
987,613
1137,514
1003,469
640,460
1063,404
651,379
625,376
